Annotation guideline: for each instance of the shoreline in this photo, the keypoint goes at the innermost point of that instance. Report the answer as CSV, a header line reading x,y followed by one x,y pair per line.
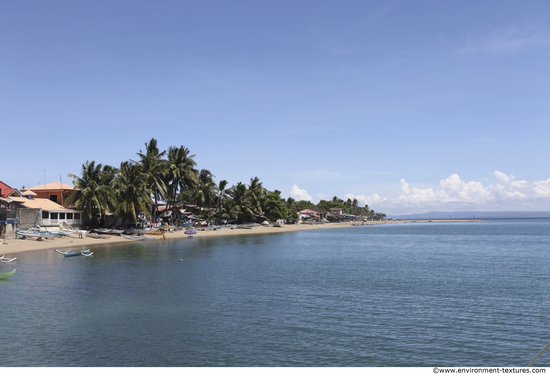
x,y
15,246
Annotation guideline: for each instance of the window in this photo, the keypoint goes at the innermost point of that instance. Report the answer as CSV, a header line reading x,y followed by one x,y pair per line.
x,y
45,214
53,215
53,197
69,215
77,215
62,216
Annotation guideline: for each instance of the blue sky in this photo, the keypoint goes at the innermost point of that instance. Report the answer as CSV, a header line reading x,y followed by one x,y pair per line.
x,y
408,106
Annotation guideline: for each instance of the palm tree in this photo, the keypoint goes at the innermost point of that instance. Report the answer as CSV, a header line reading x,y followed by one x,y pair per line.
x,y
133,193
228,211
93,193
181,172
154,167
222,193
242,205
257,194
204,191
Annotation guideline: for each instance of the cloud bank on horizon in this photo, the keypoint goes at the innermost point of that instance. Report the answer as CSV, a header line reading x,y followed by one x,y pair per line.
x,y
453,194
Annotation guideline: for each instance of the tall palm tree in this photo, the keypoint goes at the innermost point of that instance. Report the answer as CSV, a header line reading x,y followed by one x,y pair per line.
x,y
204,190
222,193
93,193
154,166
133,193
181,172
257,194
242,204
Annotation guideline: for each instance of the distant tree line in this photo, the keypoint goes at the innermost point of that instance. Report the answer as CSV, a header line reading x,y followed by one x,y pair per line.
x,y
172,176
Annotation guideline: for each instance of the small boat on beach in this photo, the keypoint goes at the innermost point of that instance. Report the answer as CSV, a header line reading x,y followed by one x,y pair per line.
x,y
95,235
136,238
5,275
24,234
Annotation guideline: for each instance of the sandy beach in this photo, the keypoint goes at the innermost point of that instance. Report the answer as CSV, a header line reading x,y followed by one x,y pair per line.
x,y
15,246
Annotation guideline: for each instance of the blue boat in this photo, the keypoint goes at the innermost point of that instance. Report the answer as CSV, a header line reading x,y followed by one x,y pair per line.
x,y
69,253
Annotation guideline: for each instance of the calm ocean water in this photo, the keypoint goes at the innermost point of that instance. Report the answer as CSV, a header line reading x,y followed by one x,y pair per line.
x,y
450,294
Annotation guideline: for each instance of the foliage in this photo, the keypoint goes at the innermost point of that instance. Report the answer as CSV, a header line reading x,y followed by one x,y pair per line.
x,y
275,207
94,195
172,175
133,196
302,205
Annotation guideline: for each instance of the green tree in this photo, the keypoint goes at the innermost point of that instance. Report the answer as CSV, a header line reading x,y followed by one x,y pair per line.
x,y
203,192
242,204
181,172
155,167
302,205
275,206
256,194
93,194
133,194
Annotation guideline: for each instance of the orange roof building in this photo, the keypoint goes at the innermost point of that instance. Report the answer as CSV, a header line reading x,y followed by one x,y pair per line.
x,y
54,191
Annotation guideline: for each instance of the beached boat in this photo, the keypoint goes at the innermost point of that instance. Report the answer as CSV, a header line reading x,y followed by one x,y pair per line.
x,y
156,233
136,238
24,234
95,235
5,275
102,231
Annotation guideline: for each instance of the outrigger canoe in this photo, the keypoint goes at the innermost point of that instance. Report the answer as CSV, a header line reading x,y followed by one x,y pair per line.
x,y
69,253
5,275
7,260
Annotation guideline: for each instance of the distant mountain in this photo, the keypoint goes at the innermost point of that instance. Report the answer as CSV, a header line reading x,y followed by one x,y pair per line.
x,y
475,214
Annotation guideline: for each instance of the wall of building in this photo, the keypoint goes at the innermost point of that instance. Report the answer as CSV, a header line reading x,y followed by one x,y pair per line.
x,y
28,217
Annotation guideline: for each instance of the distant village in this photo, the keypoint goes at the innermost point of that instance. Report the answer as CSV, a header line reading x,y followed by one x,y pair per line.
x,y
46,206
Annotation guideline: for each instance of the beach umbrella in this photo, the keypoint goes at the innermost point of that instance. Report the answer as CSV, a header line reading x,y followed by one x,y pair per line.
x,y
190,231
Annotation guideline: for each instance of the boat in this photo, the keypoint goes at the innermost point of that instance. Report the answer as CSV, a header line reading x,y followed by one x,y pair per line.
x,y
5,275
70,253
7,260
102,231
95,235
156,233
136,238
24,234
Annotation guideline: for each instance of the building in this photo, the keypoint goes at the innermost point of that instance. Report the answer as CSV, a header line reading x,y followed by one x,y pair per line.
x,y
55,191
40,211
336,211
315,214
7,191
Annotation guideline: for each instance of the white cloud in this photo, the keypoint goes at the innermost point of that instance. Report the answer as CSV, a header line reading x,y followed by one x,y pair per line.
x,y
299,194
506,193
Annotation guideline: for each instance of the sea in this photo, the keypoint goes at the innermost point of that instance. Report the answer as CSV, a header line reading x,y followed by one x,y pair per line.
x,y
410,295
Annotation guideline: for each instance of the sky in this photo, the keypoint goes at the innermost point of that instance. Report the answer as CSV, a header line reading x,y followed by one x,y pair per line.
x,y
407,106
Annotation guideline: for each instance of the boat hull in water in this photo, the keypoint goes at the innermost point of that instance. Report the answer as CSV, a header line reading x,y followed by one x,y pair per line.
x,y
5,275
